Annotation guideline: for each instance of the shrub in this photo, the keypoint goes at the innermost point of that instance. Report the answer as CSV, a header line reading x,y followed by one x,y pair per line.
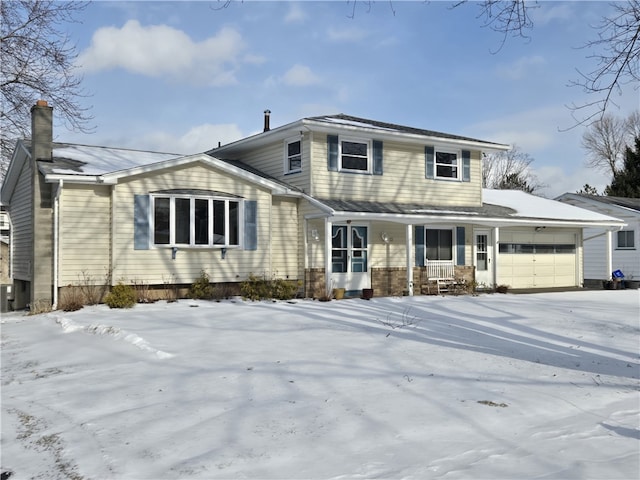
x,y
201,288
71,300
121,296
256,288
502,288
143,292
283,289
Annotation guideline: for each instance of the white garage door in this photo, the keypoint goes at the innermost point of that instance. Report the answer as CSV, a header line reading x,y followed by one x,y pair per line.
x,y
537,260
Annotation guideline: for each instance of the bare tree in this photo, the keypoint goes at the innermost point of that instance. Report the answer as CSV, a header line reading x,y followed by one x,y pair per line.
x,y
37,61
615,49
617,57
509,170
505,17
605,141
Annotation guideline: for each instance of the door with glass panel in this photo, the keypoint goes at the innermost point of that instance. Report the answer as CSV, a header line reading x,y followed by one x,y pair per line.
x,y
483,258
350,257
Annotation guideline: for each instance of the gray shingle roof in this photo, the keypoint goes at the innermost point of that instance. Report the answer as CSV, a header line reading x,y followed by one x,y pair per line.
x,y
486,210
632,203
363,122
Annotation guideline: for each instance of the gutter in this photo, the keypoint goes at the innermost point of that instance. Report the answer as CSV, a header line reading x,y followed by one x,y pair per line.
x,y
491,222
611,229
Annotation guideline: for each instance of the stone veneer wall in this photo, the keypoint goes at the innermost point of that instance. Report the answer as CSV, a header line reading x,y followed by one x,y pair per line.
x,y
314,286
385,282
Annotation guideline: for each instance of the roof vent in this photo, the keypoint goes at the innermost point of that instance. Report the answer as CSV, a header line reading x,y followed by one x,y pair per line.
x,y
267,113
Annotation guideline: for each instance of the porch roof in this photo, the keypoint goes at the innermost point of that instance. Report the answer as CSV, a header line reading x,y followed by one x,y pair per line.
x,y
506,208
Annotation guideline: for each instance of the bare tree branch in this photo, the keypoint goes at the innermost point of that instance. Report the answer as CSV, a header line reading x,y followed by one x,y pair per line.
x,y
510,18
510,169
37,61
617,57
606,139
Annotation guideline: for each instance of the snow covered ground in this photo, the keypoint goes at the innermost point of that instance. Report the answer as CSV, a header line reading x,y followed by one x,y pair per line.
x,y
542,386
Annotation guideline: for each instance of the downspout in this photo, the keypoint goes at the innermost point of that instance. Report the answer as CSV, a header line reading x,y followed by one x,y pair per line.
x,y
56,232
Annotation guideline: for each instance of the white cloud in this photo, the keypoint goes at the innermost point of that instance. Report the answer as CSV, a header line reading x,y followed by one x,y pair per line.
x,y
547,12
161,50
558,181
198,139
351,34
295,14
296,76
300,76
520,68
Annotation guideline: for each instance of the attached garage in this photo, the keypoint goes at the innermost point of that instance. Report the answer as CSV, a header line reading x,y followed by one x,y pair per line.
x,y
531,259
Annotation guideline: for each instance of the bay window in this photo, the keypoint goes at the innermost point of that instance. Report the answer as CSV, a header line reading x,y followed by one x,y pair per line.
x,y
195,221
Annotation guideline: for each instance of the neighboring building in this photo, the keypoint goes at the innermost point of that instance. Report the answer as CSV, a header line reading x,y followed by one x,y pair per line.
x,y
612,250
370,203
4,223
5,272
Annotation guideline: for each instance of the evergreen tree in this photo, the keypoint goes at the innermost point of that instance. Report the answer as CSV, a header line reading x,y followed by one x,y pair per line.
x,y
514,181
588,190
626,181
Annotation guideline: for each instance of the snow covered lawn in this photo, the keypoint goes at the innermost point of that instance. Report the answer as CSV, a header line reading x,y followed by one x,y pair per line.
x,y
494,386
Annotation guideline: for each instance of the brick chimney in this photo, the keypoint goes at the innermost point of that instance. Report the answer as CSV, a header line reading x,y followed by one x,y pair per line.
x,y
267,114
41,131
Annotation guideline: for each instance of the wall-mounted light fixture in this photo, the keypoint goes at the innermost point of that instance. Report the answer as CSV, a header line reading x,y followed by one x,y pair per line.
x,y
315,235
539,229
174,252
386,238
223,253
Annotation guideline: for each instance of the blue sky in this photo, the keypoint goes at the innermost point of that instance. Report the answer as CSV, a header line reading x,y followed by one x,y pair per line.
x,y
183,76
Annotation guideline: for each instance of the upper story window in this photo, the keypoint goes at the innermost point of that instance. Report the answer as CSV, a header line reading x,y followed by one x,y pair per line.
x,y
195,221
447,164
356,155
293,156
626,239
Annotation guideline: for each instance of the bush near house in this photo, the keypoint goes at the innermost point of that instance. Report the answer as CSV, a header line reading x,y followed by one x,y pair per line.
x,y
256,288
121,296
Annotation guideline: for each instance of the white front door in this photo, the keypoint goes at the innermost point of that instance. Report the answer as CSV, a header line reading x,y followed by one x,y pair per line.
x,y
349,257
483,258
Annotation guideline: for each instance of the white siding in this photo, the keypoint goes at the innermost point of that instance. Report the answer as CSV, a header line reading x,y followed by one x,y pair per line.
x,y
595,245
403,179
84,234
284,239
156,266
595,254
271,160
20,211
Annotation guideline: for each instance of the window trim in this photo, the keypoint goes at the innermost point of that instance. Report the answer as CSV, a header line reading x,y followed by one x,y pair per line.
x,y
287,159
366,141
633,240
210,221
458,165
454,241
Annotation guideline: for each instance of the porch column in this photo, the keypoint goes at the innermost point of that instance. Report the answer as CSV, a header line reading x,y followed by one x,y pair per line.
x,y
496,251
410,260
609,262
328,234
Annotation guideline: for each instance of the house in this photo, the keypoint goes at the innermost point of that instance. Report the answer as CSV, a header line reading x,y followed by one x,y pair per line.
x,y
331,202
5,275
613,250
